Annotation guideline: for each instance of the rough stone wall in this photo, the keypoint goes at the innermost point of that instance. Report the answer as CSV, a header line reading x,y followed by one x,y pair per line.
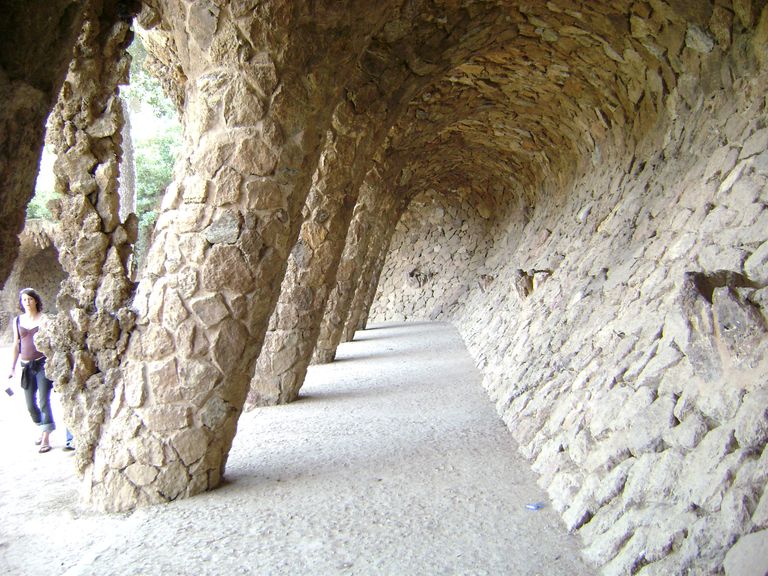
x,y
437,258
622,334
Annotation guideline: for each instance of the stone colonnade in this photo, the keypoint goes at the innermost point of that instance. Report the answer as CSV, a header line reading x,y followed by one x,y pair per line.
x,y
308,128
312,266
219,250
358,131
364,233
155,405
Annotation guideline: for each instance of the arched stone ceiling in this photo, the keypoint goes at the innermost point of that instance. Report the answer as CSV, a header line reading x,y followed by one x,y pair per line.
x,y
527,87
535,107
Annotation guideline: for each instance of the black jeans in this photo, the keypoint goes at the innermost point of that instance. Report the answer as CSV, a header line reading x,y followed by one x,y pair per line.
x,y
39,390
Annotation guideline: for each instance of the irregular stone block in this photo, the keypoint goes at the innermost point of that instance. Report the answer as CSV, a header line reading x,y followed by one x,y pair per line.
x,y
195,190
174,311
604,547
190,444
634,406
156,342
225,269
563,488
698,40
747,557
215,412
751,422
210,309
242,107
141,474
612,485
226,186
202,22
187,218
228,344
115,493
740,327
648,428
92,251
203,375
710,469
653,477
700,348
264,194
165,418
756,265
133,383
163,382
664,359
720,25
688,433
172,480
225,229
148,450
193,247
253,157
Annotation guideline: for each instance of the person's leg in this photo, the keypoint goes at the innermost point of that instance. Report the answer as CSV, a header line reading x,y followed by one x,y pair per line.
x,y
30,395
70,444
47,425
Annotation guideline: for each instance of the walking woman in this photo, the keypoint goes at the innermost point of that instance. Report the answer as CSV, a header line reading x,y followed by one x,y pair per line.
x,y
37,387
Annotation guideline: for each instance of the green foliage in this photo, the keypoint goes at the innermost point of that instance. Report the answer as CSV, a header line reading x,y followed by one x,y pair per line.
x,y
38,206
154,169
44,188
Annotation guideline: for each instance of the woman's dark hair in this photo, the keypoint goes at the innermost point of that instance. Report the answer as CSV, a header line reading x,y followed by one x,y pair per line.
x,y
35,295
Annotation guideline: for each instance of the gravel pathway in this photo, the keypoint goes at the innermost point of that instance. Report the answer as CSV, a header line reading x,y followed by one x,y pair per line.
x,y
393,461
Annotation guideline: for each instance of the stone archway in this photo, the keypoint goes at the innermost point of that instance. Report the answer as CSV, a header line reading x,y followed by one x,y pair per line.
x,y
613,156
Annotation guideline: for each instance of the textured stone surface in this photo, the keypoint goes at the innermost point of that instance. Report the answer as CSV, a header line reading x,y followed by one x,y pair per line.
x,y
580,187
639,356
748,555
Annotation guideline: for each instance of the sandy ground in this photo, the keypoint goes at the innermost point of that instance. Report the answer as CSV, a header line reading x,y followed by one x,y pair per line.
x,y
392,462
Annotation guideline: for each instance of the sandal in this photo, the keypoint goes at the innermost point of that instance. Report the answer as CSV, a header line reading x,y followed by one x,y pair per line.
x,y
44,448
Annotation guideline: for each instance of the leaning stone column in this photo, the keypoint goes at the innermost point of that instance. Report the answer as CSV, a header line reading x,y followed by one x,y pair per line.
x,y
370,272
85,340
213,271
370,295
340,299
311,273
367,283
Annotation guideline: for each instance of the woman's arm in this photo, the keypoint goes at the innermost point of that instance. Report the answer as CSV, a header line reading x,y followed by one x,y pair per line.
x,y
15,351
